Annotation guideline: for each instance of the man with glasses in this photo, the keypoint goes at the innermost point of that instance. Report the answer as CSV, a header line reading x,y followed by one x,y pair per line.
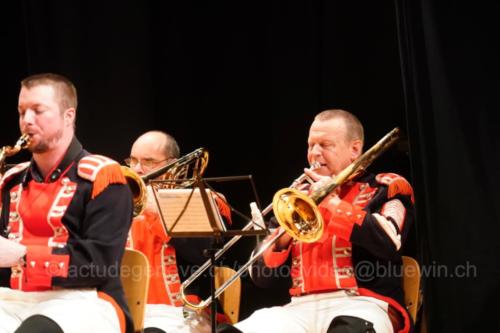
x,y
151,151
172,260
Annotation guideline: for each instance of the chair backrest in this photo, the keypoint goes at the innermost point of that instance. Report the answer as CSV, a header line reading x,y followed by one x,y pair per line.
x,y
411,285
135,280
230,298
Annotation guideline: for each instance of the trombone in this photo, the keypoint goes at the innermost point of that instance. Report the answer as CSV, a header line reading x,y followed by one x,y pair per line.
x,y
297,214
196,162
296,183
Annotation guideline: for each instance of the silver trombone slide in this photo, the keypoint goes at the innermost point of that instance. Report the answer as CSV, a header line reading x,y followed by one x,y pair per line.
x,y
205,303
297,182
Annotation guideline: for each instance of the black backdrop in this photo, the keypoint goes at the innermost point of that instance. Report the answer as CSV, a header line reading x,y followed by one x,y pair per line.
x,y
244,79
449,58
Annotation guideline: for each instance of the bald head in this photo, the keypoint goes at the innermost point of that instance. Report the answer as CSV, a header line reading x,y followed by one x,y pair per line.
x,y
353,127
152,149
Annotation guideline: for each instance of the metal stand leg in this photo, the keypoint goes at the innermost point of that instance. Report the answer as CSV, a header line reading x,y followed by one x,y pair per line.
x,y
213,313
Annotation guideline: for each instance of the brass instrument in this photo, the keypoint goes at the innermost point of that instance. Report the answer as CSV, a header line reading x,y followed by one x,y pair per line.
x,y
7,151
295,184
298,213
189,167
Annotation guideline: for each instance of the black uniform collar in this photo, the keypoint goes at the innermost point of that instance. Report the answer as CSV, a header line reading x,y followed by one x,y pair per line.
x,y
363,176
74,150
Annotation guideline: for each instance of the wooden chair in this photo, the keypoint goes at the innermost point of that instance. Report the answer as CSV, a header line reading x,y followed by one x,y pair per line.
x,y
230,298
135,281
411,286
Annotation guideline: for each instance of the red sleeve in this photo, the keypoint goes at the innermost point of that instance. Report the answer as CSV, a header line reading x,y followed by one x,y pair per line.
x,y
273,258
342,218
42,265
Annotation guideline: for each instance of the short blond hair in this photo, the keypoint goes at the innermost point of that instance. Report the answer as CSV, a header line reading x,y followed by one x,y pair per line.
x,y
63,87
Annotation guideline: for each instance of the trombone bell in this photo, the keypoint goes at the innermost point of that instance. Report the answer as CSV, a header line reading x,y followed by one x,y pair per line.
x,y
298,215
138,188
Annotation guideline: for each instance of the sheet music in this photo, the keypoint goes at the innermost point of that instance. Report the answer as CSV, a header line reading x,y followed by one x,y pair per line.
x,y
194,219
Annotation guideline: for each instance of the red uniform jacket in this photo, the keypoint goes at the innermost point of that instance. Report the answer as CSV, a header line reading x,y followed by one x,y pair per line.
x,y
360,248
74,224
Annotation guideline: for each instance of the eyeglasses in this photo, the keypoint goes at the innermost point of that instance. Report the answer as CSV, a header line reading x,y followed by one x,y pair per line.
x,y
147,163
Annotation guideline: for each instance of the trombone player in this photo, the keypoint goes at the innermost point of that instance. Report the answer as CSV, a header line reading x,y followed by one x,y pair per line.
x,y
336,286
172,260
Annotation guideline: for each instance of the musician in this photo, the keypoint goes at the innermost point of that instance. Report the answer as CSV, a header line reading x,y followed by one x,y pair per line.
x,y
172,260
345,281
63,222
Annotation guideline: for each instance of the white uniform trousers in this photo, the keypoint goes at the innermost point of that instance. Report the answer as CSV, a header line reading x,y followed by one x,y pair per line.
x,y
171,319
74,310
314,313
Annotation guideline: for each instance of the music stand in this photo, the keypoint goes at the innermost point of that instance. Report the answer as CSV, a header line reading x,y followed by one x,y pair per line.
x,y
204,207
185,213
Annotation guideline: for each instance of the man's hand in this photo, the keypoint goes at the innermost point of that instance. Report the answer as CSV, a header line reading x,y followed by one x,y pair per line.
x,y
283,242
11,252
319,182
